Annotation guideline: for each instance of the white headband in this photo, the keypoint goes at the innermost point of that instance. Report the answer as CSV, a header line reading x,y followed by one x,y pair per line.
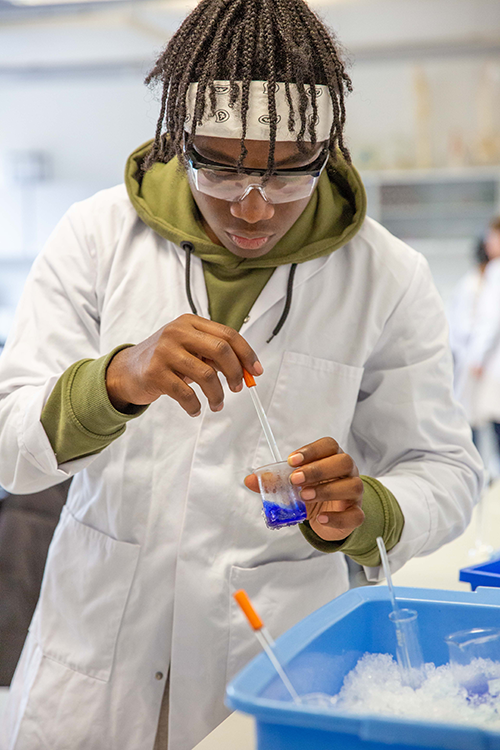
x,y
226,122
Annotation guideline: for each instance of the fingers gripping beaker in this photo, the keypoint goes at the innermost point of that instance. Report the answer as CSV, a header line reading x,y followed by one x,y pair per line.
x,y
408,651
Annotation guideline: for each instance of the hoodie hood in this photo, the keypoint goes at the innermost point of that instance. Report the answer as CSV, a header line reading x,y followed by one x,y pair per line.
x,y
163,200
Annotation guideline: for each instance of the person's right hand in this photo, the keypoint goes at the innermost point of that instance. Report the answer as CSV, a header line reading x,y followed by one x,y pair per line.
x,y
189,349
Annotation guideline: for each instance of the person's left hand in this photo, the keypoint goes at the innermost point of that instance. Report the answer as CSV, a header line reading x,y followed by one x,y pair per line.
x,y
332,489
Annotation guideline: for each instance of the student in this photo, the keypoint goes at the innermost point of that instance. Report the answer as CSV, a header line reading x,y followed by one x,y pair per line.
x,y
239,240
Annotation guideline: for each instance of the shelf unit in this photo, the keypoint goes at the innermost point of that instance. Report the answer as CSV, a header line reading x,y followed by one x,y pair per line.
x,y
438,203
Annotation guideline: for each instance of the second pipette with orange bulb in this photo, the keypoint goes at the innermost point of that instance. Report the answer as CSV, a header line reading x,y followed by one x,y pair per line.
x,y
264,638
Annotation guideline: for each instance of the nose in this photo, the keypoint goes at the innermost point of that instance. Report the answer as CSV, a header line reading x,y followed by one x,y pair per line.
x,y
253,208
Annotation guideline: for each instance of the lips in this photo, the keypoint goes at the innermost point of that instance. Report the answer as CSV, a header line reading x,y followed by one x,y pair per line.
x,y
248,243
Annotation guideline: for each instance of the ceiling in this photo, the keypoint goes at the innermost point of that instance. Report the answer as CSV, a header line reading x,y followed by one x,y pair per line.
x,y
370,29
11,8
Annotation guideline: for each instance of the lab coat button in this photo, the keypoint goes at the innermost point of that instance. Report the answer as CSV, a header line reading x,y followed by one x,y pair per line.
x,y
245,320
159,675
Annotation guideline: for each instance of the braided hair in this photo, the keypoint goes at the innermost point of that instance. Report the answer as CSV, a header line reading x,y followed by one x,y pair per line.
x,y
241,41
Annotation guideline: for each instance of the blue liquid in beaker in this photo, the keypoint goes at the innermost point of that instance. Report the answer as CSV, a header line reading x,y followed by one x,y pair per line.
x,y
278,515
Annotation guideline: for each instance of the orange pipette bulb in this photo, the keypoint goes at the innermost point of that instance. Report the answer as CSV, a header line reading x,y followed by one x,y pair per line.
x,y
249,379
253,618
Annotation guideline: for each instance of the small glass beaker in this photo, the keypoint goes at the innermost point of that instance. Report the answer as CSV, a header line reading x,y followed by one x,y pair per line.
x,y
408,651
475,660
281,501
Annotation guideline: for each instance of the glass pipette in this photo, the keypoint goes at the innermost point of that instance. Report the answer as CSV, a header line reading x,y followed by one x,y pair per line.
x,y
250,382
264,638
387,571
408,651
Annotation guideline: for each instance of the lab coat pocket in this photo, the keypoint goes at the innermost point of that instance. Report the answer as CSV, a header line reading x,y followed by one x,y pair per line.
x,y
85,588
312,398
283,593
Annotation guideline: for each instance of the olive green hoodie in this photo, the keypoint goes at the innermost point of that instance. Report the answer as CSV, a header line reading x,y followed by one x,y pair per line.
x,y
80,420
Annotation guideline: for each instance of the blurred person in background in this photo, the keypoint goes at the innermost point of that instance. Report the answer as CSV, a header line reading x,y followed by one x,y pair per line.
x,y
474,317
240,235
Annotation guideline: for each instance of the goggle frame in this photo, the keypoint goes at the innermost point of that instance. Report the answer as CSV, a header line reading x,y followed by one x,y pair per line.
x,y
197,162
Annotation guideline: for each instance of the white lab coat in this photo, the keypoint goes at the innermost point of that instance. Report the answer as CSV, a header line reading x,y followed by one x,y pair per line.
x,y
159,530
474,315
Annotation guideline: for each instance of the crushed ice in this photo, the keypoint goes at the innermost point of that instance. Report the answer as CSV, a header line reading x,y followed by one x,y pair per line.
x,y
455,695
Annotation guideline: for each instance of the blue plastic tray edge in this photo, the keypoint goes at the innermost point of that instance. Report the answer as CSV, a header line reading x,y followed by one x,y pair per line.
x,y
368,726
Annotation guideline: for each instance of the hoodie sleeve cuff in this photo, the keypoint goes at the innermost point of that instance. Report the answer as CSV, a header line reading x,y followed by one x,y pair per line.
x,y
383,517
79,418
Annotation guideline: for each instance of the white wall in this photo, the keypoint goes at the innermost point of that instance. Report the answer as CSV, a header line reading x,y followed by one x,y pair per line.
x,y
382,23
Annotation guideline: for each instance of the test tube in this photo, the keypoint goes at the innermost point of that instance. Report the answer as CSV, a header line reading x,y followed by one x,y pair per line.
x,y
408,651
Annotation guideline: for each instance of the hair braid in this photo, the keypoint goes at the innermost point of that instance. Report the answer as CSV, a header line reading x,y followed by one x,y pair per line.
x,y
232,61
271,80
288,45
249,45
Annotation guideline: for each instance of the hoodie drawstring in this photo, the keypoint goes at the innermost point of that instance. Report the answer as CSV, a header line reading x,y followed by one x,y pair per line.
x,y
188,248
288,303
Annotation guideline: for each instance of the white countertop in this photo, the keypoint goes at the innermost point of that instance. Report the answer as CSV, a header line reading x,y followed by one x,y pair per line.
x,y
237,732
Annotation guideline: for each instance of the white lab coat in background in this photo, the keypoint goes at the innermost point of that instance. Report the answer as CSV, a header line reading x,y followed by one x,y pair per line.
x,y
159,529
486,344
462,317
474,315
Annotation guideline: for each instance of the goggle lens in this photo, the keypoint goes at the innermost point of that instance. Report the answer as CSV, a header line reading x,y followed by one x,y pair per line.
x,y
229,185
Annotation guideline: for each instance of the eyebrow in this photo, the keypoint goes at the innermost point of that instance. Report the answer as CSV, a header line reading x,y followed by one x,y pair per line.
x,y
215,155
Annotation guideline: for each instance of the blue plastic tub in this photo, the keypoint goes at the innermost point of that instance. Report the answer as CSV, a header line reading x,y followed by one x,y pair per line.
x,y
320,650
484,574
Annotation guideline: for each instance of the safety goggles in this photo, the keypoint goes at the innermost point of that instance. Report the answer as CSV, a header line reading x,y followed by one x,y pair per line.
x,y
226,183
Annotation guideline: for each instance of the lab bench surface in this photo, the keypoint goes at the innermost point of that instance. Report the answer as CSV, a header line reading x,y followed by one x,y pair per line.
x,y
237,732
